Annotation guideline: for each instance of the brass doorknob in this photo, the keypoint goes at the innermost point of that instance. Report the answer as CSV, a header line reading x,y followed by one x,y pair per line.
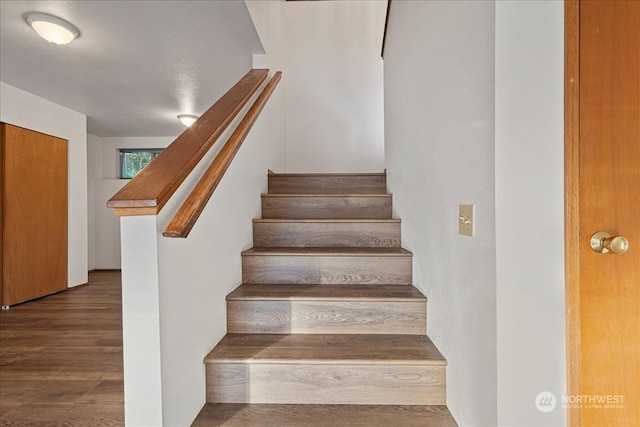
x,y
602,242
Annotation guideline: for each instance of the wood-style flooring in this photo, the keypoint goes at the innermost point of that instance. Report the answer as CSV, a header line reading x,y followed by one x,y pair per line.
x,y
61,358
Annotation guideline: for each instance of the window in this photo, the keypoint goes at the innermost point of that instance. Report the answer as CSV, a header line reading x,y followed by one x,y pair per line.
x,y
133,160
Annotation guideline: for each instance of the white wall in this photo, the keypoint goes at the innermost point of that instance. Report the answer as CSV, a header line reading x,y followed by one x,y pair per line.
x,y
106,234
268,18
529,210
329,53
439,130
439,154
335,113
194,275
103,170
94,172
26,110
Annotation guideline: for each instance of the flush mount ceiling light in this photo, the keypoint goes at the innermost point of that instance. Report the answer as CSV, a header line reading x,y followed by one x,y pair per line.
x,y
51,28
187,119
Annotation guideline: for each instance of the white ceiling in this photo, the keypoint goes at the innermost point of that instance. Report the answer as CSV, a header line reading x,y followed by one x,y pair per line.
x,y
136,64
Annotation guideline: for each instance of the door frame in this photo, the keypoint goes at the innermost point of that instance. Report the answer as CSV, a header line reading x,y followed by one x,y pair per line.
x,y
572,201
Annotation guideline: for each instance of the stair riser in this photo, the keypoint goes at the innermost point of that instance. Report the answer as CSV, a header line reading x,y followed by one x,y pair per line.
x,y
326,384
317,270
315,234
319,207
326,317
329,184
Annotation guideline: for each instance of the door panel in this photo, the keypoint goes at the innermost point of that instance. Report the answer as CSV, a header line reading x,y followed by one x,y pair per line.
x,y
34,214
609,200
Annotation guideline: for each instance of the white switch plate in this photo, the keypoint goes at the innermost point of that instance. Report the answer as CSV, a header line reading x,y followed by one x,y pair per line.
x,y
465,220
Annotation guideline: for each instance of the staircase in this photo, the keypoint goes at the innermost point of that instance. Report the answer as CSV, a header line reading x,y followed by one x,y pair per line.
x,y
326,329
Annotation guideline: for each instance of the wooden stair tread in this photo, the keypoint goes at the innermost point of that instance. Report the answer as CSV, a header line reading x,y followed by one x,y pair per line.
x,y
293,292
336,349
327,221
254,414
320,252
317,195
286,174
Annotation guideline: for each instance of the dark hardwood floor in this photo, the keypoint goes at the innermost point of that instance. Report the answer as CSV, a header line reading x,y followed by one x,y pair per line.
x,y
61,358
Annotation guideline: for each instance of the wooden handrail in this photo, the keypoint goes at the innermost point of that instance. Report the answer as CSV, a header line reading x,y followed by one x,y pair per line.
x,y
190,211
386,25
149,191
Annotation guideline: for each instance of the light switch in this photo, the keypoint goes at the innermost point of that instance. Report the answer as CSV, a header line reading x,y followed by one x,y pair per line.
x,y
465,220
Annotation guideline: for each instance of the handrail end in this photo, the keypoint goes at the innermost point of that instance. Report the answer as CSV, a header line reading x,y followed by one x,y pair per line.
x,y
133,207
168,233
137,211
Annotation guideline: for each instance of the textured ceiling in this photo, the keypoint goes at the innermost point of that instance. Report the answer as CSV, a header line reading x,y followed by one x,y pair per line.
x,y
136,64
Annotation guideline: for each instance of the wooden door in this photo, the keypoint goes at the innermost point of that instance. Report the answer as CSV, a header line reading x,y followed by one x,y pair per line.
x,y
603,137
34,214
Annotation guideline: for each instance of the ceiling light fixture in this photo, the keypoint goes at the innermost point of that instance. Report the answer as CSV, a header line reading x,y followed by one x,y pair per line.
x,y
51,28
187,119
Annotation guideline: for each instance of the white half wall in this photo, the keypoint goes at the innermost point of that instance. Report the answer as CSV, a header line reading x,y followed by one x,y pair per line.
x,y
141,324
530,210
439,145
335,105
29,111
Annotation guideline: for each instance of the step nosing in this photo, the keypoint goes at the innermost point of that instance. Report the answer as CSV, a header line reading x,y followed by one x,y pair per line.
x,y
328,299
327,255
319,361
334,414
328,252
328,293
326,174
332,348
329,220
336,195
